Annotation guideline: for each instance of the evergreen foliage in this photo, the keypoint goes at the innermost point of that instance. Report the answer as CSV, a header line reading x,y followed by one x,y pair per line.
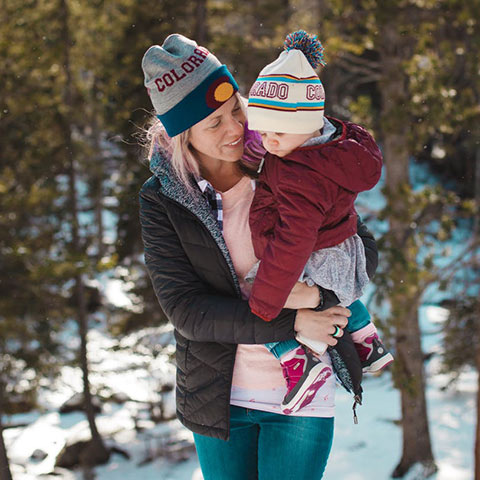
x,y
401,61
34,270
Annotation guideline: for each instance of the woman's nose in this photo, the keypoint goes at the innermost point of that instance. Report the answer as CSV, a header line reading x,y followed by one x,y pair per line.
x,y
235,126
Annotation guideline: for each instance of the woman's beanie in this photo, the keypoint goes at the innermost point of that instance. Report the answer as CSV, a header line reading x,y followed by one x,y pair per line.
x,y
288,96
186,83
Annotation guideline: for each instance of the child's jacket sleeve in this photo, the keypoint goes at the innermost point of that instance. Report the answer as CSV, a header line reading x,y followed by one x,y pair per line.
x,y
301,204
305,202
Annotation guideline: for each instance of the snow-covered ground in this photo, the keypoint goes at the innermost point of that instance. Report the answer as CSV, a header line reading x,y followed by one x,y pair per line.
x,y
164,450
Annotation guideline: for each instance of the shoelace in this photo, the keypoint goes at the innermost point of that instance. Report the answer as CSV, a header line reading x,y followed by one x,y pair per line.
x,y
287,377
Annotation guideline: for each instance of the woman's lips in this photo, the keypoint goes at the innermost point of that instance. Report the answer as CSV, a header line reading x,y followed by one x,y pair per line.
x,y
235,142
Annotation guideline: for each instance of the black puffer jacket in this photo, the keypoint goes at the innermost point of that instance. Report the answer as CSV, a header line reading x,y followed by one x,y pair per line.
x,y
196,285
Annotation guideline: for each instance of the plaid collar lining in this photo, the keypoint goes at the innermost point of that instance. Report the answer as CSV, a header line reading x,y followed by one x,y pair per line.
x,y
214,199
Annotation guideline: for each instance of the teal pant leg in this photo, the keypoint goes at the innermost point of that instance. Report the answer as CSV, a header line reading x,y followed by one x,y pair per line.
x,y
267,446
360,317
279,348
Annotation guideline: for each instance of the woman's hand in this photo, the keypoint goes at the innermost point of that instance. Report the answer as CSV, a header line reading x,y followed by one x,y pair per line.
x,y
321,325
303,296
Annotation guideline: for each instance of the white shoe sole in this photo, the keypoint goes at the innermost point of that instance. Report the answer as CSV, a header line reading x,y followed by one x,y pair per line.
x,y
379,364
319,373
318,347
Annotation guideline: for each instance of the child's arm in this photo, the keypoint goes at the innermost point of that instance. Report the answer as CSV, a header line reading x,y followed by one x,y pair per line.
x,y
262,217
301,205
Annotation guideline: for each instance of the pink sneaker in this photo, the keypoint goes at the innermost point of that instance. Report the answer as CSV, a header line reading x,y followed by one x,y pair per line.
x,y
305,374
373,354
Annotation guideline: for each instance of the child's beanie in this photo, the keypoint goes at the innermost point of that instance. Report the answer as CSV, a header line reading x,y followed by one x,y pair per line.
x,y
186,82
288,96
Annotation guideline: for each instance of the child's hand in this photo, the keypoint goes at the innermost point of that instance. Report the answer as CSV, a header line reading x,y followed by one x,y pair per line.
x,y
303,296
322,325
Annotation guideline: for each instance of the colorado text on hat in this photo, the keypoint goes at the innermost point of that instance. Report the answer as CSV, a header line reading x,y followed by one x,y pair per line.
x,y
280,90
194,61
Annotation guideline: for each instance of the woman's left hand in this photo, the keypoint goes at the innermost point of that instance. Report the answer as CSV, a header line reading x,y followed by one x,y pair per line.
x,y
303,296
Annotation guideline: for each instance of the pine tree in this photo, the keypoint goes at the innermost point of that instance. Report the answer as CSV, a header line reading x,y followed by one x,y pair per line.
x,y
461,340
394,58
96,452
33,301
5,473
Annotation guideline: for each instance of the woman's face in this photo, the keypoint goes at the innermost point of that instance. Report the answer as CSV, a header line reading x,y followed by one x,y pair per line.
x,y
220,135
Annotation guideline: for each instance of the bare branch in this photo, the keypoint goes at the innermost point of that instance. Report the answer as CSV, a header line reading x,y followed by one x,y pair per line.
x,y
356,68
362,61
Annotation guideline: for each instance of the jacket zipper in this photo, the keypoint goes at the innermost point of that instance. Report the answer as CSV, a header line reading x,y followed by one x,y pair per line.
x,y
238,295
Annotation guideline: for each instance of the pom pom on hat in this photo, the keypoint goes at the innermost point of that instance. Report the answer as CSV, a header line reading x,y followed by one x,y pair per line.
x,y
308,44
288,95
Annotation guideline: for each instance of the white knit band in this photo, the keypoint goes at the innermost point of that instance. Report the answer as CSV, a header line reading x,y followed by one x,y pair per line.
x,y
287,96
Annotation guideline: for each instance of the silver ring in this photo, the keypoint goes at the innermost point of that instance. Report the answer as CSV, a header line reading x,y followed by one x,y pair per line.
x,y
336,332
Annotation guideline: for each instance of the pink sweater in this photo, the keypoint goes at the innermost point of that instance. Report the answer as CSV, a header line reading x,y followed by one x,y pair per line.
x,y
258,382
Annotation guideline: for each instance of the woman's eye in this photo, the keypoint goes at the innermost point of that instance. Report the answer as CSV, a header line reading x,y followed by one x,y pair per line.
x,y
215,125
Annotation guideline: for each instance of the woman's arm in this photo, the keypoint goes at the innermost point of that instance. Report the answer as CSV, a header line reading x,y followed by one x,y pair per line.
x,y
303,296
197,312
320,326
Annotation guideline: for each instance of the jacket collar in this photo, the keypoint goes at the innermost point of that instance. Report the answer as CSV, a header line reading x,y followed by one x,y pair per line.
x,y
190,198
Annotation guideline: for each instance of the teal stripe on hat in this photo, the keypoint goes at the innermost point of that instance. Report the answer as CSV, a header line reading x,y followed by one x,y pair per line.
x,y
261,101
279,78
198,104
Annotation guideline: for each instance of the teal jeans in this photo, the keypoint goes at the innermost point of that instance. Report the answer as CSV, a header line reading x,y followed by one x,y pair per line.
x,y
267,446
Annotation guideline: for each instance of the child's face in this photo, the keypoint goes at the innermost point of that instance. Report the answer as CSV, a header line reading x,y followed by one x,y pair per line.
x,y
281,144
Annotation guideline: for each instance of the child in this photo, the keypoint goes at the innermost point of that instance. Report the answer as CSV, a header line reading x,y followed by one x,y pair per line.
x,y
304,203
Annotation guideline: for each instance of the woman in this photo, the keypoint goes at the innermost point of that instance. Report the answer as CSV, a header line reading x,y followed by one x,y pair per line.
x,y
197,253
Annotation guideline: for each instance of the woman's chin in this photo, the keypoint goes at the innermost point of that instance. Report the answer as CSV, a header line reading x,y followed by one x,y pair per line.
x,y
232,153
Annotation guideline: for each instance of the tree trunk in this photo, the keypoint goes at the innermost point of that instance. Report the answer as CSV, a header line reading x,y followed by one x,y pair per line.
x,y
97,194
5,473
201,22
409,378
476,231
404,298
97,173
477,435
4,465
97,452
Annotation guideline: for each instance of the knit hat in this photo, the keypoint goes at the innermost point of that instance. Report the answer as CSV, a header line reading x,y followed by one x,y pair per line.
x,y
288,96
186,83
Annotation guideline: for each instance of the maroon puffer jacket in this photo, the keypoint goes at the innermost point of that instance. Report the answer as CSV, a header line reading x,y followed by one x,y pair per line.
x,y
304,202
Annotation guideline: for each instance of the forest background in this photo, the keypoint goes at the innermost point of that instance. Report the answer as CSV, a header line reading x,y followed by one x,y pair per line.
x,y
73,111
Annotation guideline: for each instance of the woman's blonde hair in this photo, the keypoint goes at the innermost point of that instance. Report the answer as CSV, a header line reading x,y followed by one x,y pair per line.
x,y
183,160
